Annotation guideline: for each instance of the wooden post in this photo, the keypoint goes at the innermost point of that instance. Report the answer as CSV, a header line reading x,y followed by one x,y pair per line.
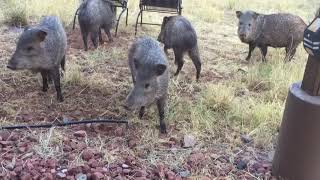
x,y
297,155
311,79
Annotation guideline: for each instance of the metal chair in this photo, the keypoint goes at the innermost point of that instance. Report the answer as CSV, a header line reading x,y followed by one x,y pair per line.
x,y
117,4
159,6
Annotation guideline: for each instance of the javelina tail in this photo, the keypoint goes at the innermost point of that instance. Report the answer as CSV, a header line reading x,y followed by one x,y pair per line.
x,y
63,63
194,55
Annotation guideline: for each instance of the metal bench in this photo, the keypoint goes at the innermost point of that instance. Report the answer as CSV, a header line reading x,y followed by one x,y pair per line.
x,y
118,4
159,6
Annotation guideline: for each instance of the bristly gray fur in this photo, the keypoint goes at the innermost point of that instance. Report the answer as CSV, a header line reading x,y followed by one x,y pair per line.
x,y
273,30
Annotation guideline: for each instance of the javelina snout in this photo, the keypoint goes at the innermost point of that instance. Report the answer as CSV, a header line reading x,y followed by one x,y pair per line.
x,y
150,76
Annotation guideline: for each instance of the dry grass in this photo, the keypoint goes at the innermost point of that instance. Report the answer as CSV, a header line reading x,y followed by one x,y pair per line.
x,y
227,102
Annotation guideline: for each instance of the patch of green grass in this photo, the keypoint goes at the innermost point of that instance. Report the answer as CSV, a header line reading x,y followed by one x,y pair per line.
x,y
14,12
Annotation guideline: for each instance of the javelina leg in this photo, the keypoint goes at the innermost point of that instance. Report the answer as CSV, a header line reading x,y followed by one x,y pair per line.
x,y
56,79
141,112
251,48
178,60
194,55
45,86
165,49
290,52
108,34
264,50
85,39
161,106
100,36
94,38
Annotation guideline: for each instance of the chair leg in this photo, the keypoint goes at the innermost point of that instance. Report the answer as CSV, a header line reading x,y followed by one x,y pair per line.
x,y
127,17
141,19
137,22
74,19
118,21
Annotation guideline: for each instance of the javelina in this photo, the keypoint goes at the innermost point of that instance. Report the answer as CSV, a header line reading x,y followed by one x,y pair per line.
x,y
42,48
95,15
275,30
150,77
178,33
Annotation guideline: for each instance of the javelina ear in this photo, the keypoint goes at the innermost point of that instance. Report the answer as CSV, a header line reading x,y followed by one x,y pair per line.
x,y
165,19
239,14
255,15
41,34
160,69
26,27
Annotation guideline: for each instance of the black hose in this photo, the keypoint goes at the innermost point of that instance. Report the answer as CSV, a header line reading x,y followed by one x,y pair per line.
x,y
64,124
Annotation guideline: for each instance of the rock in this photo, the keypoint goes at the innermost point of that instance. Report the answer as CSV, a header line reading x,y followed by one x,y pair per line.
x,y
74,170
26,177
61,175
87,154
53,171
126,171
51,163
138,173
189,141
246,139
184,174
48,176
93,163
97,176
171,175
125,166
81,177
80,133
241,165
64,170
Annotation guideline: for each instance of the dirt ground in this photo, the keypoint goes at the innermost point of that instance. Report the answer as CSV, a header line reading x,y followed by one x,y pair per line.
x,y
107,151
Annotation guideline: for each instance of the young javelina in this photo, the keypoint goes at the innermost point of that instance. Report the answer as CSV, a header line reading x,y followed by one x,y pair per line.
x,y
178,33
42,49
95,15
150,76
275,30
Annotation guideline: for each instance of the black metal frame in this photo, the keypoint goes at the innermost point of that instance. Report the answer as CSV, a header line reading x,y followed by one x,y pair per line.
x,y
117,4
159,6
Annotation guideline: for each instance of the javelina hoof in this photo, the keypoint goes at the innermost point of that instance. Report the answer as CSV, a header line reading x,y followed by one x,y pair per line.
x,y
60,99
163,129
45,89
247,58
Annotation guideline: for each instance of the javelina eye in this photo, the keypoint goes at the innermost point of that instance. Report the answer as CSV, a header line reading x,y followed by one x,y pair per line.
x,y
30,48
249,25
146,86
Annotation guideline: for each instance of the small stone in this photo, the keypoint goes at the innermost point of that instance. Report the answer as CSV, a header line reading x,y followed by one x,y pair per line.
x,y
184,174
87,154
189,141
81,177
61,175
125,166
171,175
64,170
53,171
241,165
80,133
126,171
97,176
246,139
26,177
